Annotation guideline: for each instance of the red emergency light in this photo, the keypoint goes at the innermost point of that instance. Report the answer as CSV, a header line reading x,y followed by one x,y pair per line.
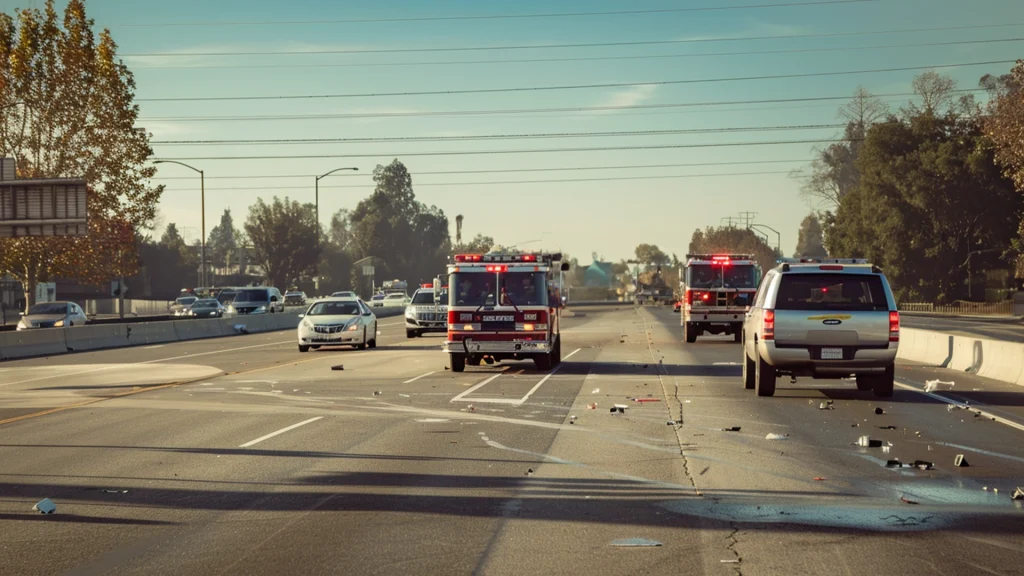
x,y
468,257
497,258
495,268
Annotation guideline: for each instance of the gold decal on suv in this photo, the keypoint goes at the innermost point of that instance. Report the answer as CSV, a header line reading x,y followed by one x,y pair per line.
x,y
830,317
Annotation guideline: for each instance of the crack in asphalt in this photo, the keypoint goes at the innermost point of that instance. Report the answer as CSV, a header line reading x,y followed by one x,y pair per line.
x,y
733,542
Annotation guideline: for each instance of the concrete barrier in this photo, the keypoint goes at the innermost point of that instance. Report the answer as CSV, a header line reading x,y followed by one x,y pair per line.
x,y
99,337
197,329
29,343
1003,361
151,333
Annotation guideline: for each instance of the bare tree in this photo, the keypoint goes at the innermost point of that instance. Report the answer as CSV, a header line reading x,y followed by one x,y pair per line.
x,y
935,90
864,109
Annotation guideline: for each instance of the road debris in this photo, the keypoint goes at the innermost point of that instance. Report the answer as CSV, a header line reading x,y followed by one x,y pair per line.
x,y
592,406
595,391
827,405
572,419
642,400
729,561
889,427
529,472
932,385
471,408
377,393
636,543
405,396
893,464
868,442
45,506
960,461
111,491
338,367
774,436
617,409
879,411
733,429
670,423
923,464
906,500
241,329
1019,494
820,478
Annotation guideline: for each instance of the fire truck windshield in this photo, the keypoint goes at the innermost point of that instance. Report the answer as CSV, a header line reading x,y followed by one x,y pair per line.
x,y
710,276
514,289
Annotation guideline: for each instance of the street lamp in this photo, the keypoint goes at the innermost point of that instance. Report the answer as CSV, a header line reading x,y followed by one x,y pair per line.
x,y
202,197
317,200
778,237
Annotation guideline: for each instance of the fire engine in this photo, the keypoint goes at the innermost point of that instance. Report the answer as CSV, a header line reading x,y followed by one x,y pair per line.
x,y
503,307
718,289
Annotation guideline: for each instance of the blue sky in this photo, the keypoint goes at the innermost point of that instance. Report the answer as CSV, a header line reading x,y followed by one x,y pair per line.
x,y
608,217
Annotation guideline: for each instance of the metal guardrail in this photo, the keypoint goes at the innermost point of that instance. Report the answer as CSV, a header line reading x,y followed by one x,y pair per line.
x,y
961,308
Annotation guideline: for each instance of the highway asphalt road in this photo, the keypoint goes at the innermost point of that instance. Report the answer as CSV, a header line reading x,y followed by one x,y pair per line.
x,y
262,460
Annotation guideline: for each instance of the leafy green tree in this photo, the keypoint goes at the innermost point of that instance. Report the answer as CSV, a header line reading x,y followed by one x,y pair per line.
x,y
284,240
810,241
1004,126
393,226
69,112
732,240
931,198
480,244
650,254
222,245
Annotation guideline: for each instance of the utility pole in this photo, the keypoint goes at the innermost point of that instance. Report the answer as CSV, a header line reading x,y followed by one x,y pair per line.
x,y
729,220
747,217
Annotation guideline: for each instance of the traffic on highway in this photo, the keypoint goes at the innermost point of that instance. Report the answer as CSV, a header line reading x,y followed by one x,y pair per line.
x,y
520,288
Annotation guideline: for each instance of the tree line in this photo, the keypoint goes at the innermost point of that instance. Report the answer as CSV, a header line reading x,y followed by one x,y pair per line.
x,y
931,191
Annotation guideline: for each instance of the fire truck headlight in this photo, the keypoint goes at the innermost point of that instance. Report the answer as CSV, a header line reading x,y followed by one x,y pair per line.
x,y
528,327
468,328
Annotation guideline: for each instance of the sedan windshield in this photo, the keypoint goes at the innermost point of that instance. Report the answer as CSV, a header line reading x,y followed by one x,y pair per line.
x,y
49,308
334,309
208,303
186,301
252,296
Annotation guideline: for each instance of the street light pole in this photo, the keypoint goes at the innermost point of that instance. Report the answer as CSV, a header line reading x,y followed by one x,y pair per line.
x,y
317,209
202,197
778,237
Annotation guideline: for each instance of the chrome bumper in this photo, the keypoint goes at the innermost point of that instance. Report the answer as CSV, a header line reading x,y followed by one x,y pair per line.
x,y
865,358
471,346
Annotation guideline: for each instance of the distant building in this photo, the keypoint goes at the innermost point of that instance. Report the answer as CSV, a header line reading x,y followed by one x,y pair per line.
x,y
599,275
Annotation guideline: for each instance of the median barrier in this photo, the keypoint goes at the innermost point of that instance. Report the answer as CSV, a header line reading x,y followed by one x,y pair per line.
x,y
285,321
28,343
197,329
995,359
84,338
151,333
388,312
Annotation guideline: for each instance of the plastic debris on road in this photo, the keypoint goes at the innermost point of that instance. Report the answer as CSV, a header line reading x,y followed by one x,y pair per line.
x,y
868,442
960,461
529,472
617,409
595,391
45,506
110,491
592,406
906,500
819,478
241,329
729,561
733,429
827,405
636,543
923,465
879,411
893,464
642,400
933,385
338,367
1018,494
572,419
377,393
774,436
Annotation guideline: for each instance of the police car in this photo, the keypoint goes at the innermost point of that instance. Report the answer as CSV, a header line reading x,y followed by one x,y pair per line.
x,y
427,312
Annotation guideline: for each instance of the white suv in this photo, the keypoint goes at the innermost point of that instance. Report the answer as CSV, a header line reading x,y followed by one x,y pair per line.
x,y
823,319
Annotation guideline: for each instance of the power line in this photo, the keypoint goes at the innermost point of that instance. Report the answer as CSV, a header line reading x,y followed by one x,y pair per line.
x,y
522,151
405,114
568,86
585,58
493,182
501,171
492,16
424,49
486,137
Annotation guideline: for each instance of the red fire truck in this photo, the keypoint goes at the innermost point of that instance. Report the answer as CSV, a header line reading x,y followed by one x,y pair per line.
x,y
718,290
503,307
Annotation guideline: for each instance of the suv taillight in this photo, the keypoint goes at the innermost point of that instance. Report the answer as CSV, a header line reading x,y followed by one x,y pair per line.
x,y
894,326
768,325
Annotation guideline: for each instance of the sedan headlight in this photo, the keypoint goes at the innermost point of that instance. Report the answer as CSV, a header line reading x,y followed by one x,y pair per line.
x,y
58,324
22,325
307,323
353,327
261,309
410,313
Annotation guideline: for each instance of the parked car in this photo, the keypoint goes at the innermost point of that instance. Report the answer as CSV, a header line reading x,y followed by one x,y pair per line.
x,y
337,322
344,294
825,319
206,308
52,315
257,300
181,305
294,298
392,300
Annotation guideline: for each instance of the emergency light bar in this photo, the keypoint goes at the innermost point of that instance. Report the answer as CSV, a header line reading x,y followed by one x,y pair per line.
x,y
720,257
504,258
849,261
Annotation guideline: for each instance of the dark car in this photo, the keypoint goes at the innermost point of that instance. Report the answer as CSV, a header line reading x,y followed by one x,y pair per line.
x,y
206,308
295,298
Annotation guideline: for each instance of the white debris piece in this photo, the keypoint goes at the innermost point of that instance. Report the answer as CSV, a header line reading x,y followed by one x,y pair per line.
x,y
45,506
932,385
774,436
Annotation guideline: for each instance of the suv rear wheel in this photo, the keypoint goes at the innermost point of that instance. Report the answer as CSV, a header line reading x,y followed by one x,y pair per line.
x,y
764,378
749,372
865,383
885,383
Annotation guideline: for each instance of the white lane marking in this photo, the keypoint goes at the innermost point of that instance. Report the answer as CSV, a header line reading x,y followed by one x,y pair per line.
x,y
477,387
153,347
113,366
279,432
970,407
571,353
539,384
418,377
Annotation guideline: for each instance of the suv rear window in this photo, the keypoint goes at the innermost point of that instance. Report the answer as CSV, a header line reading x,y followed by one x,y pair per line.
x,y
853,292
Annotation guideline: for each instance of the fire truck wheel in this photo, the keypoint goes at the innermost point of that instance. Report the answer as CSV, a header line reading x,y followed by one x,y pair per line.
x,y
458,362
764,378
557,353
749,371
689,333
543,362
